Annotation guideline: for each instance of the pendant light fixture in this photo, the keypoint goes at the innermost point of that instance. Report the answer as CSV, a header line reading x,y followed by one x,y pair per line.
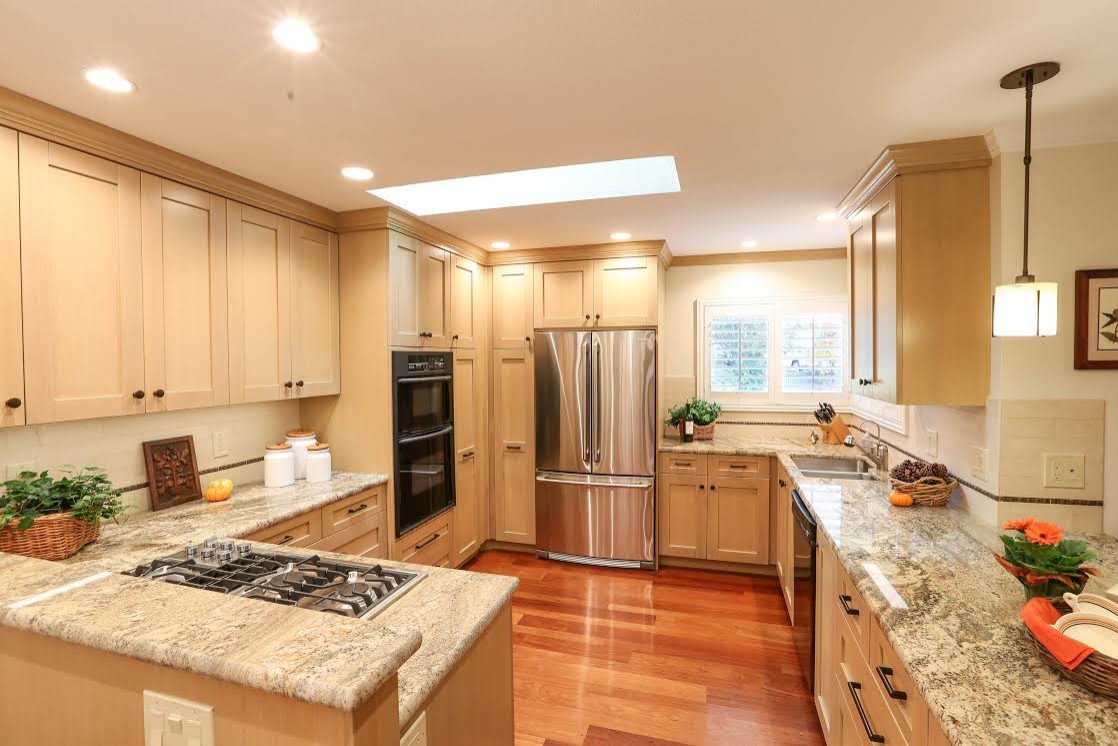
x,y
1026,308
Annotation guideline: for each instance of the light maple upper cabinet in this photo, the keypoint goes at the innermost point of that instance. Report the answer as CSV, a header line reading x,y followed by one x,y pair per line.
x,y
315,329
465,302
12,395
467,472
259,246
434,295
512,306
563,294
419,276
919,227
625,291
514,461
82,284
186,324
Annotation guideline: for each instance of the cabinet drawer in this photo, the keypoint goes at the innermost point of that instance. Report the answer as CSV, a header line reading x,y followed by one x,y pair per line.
x,y
367,538
854,612
896,687
350,510
430,545
863,700
738,466
683,463
299,531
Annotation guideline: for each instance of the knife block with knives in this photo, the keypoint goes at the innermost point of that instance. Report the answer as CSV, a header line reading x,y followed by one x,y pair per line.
x,y
830,424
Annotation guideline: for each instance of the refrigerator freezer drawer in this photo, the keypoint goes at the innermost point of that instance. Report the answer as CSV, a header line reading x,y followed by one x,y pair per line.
x,y
611,519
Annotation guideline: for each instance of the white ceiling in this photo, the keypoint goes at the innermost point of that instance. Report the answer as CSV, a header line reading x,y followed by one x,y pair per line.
x,y
772,109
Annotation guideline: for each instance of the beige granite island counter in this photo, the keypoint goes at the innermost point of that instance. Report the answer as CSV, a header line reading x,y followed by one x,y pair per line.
x,y
949,611
322,663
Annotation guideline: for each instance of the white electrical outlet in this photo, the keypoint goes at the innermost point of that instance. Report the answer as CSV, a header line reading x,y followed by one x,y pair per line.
x,y
221,443
14,470
1065,470
171,721
978,459
933,443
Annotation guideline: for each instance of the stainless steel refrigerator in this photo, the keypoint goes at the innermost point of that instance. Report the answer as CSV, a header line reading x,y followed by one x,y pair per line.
x,y
596,447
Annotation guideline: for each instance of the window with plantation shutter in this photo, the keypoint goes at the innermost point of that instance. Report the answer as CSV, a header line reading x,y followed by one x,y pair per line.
x,y
739,353
811,352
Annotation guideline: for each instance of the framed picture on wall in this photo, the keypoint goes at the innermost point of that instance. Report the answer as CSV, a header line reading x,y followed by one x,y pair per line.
x,y
1096,319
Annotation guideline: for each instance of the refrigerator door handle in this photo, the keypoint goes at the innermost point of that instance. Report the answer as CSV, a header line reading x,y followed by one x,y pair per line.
x,y
586,417
586,480
597,402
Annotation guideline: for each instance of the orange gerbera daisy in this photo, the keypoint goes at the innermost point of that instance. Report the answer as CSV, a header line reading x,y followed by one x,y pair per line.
x,y
1019,525
1045,534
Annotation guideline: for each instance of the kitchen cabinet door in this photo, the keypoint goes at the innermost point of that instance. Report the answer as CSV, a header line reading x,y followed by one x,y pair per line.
x,y
625,291
861,304
82,284
514,446
882,218
186,321
434,294
404,268
738,520
683,516
465,303
259,246
12,395
564,294
512,306
826,696
467,492
315,330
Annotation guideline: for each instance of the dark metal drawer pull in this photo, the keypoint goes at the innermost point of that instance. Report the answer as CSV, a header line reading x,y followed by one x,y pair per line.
x,y
14,403
426,543
358,509
845,601
286,539
884,672
874,737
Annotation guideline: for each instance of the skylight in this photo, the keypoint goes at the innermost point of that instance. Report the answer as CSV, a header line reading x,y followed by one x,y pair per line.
x,y
537,186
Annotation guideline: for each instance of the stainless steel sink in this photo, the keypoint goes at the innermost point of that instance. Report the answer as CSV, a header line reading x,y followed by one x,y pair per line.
x,y
835,468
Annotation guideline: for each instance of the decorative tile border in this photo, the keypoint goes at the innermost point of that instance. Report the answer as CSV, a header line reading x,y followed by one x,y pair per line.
x,y
202,472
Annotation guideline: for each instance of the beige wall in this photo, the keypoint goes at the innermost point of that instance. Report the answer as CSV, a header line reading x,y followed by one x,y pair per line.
x,y
114,443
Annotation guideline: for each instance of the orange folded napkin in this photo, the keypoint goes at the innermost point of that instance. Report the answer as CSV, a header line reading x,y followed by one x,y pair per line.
x,y
1039,615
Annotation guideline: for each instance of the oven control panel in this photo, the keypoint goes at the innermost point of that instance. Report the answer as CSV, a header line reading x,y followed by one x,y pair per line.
x,y
436,363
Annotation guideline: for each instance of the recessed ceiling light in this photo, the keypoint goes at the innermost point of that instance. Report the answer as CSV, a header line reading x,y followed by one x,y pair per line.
x,y
826,217
537,186
499,245
357,173
297,36
109,79
621,236
750,244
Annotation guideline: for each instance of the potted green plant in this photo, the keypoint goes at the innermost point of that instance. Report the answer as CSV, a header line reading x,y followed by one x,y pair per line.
x,y
1042,560
704,413
53,518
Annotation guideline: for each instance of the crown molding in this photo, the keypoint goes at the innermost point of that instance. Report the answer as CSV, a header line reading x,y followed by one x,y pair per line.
x,y
34,117
658,249
794,255
916,157
393,218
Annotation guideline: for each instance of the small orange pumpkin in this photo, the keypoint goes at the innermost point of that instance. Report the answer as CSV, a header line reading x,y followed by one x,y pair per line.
x,y
900,499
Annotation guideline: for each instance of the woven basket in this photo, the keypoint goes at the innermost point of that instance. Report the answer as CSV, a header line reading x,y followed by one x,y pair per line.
x,y
929,491
1097,672
702,432
51,537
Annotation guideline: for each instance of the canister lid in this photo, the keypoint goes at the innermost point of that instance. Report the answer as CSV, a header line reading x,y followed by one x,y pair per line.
x,y
319,447
300,433
278,447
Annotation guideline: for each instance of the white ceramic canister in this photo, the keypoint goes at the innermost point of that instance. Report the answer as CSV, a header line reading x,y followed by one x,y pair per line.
x,y
300,441
279,465
319,463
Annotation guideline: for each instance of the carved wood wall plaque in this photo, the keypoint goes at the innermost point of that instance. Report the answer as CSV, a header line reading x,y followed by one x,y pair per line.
x,y
172,472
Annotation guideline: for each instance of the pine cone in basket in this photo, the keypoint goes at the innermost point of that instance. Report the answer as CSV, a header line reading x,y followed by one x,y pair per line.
x,y
911,470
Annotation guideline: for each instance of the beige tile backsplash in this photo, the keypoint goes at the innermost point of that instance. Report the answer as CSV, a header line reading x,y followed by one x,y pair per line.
x,y
115,443
1032,428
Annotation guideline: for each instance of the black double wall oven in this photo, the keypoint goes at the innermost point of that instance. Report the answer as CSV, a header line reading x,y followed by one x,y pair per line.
x,y
423,427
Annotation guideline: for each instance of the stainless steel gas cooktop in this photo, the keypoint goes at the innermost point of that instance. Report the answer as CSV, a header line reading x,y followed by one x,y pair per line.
x,y
351,589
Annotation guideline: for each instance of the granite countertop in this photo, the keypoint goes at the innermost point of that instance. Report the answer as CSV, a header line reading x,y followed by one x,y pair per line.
x,y
319,658
948,609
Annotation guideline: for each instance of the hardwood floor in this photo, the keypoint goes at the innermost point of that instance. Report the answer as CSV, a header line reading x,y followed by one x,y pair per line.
x,y
627,658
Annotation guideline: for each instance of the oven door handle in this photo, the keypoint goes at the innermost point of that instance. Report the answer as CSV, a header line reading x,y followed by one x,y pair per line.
x,y
426,436
422,379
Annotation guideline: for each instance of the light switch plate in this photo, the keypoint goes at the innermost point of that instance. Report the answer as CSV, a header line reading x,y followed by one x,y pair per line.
x,y
933,443
14,470
171,721
221,443
978,466
1065,470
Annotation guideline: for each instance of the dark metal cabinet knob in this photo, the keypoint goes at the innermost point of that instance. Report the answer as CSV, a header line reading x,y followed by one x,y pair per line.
x,y
137,394
597,316
587,317
14,403
455,337
527,339
299,384
702,486
159,393
288,385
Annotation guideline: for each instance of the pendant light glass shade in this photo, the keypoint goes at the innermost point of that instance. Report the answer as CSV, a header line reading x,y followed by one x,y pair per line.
x,y
1025,309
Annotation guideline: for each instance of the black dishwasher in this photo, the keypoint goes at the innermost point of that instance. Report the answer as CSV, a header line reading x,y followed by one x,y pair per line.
x,y
803,586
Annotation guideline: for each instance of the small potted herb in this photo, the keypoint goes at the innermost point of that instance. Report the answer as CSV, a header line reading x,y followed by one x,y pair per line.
x,y
703,412
1042,560
53,518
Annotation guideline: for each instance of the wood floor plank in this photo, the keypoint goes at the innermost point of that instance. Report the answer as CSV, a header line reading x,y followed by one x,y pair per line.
x,y
606,657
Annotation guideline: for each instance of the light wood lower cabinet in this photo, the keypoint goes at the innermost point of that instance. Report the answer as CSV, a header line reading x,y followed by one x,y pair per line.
x,y
430,544
738,520
784,538
683,516
357,525
300,531
12,405
514,461
367,538
353,509
468,490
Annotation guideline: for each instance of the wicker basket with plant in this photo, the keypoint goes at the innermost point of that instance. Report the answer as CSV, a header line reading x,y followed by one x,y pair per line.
x,y
702,411
53,518
1042,560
